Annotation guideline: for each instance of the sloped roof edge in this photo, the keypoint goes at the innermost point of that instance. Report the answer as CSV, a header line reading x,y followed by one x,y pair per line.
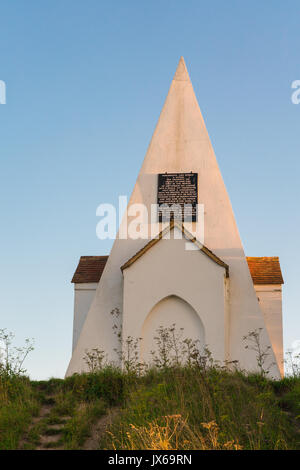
x,y
188,235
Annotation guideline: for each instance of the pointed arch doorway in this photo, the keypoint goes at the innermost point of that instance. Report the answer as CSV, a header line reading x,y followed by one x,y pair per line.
x,y
167,312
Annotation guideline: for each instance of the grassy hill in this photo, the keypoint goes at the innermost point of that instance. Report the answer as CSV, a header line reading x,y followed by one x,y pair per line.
x,y
172,408
184,401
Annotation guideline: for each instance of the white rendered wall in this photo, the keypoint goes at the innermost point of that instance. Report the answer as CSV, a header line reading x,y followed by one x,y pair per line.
x,y
269,297
83,296
165,270
270,301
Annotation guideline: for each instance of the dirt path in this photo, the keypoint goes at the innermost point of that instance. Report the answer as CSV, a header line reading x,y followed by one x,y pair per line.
x,y
51,436
46,432
98,429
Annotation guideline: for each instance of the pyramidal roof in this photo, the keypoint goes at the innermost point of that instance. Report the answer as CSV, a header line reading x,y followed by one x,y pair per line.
x,y
181,73
180,125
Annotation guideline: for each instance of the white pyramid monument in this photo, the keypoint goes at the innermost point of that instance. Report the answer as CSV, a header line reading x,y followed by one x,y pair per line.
x,y
207,291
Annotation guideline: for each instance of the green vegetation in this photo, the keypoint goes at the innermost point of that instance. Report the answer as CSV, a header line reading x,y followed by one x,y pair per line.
x,y
72,406
18,404
186,408
18,400
171,408
198,405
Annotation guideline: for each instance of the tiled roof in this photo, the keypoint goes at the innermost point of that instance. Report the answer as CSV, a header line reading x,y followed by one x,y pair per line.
x,y
264,270
89,269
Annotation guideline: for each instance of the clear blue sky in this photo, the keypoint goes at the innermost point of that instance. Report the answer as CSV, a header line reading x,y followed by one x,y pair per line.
x,y
86,81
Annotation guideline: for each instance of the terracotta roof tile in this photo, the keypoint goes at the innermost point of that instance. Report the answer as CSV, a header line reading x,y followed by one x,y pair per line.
x,y
89,269
265,270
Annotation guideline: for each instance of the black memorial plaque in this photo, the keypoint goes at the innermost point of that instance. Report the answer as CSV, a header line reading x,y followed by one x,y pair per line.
x,y
177,189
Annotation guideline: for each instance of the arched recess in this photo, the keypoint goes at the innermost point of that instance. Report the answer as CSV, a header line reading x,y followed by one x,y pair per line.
x,y
167,312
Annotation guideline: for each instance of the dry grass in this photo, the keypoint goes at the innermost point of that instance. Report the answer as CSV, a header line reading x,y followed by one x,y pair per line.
x,y
185,409
174,433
